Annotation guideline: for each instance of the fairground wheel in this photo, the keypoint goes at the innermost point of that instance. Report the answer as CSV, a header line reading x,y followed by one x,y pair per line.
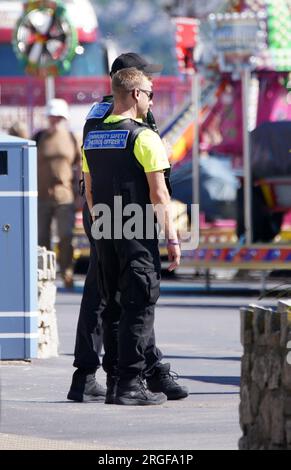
x,y
44,38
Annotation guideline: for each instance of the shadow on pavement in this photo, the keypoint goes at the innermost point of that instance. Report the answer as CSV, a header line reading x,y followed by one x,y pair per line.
x,y
222,380
213,393
206,358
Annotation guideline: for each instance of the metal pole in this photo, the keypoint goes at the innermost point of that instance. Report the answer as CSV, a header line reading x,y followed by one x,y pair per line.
x,y
30,106
246,79
49,88
195,148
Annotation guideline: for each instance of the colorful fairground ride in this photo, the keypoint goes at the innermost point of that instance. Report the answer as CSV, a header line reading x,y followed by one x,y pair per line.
x,y
49,48
231,142
55,48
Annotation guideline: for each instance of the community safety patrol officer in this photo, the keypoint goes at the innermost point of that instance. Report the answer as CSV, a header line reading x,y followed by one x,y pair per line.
x,y
89,331
125,160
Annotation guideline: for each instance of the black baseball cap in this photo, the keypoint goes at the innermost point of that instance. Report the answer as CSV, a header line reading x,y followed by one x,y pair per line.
x,y
131,59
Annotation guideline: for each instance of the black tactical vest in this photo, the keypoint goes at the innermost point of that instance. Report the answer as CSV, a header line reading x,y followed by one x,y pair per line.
x,y
100,111
117,176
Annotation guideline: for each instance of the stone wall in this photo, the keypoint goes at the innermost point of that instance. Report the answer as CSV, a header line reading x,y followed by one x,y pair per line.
x,y
47,321
265,391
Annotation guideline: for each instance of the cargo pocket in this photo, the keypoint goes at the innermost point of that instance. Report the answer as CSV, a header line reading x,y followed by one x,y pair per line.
x,y
154,284
141,287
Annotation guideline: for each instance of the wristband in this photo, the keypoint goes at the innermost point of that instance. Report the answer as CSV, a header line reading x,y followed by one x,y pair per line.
x,y
173,242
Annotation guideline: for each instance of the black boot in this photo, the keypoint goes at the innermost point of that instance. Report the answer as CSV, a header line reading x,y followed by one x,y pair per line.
x,y
111,384
134,392
162,380
85,388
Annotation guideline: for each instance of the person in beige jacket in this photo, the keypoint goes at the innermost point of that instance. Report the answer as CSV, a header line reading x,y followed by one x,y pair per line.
x,y
59,158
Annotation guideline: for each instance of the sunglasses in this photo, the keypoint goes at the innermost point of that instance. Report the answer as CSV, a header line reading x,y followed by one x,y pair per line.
x,y
150,94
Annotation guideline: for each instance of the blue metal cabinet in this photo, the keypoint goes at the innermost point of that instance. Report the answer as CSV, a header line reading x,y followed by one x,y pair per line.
x,y
18,248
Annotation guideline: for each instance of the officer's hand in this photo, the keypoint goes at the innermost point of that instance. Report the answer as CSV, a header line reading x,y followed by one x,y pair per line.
x,y
174,255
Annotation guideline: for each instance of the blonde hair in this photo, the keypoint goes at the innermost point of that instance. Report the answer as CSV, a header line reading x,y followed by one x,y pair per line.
x,y
127,79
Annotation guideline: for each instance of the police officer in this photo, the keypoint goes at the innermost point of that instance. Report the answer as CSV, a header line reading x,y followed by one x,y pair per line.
x,y
89,331
124,164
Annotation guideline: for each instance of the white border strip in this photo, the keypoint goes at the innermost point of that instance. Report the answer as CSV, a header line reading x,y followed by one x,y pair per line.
x,y
18,193
19,335
18,314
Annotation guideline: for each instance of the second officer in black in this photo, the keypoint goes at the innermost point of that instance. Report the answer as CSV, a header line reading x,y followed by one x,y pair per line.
x,y
84,386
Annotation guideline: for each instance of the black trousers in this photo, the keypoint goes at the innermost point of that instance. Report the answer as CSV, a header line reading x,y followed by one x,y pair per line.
x,y
89,336
129,282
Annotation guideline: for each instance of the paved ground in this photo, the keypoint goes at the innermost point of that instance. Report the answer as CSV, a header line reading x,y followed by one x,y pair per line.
x,y
198,335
